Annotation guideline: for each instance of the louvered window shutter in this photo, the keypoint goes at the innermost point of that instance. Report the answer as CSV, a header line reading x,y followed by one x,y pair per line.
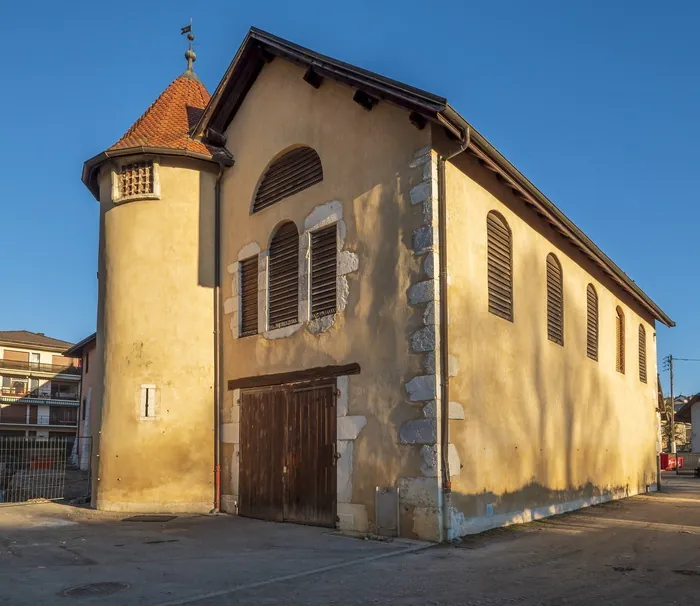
x,y
642,354
555,301
289,174
249,297
500,266
619,341
592,323
284,277
324,253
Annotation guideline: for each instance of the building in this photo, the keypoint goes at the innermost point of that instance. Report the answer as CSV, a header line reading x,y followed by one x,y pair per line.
x,y
409,337
40,386
688,415
88,417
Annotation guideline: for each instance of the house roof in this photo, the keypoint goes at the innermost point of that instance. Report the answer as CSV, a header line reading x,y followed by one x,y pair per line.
x,y
683,413
259,47
26,339
164,129
77,349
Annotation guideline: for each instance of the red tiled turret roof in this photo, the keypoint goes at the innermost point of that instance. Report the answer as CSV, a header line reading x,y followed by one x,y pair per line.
x,y
168,121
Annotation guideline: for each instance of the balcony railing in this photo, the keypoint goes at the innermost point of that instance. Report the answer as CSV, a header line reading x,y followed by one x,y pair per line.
x,y
37,394
62,419
57,369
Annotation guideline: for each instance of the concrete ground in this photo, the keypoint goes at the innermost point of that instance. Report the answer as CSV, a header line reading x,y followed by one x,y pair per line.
x,y
642,550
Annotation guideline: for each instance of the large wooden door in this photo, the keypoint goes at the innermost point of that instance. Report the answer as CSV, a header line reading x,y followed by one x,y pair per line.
x,y
287,465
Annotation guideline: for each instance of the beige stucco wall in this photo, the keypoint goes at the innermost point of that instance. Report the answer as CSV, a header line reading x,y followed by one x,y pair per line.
x,y
543,425
366,158
155,324
90,406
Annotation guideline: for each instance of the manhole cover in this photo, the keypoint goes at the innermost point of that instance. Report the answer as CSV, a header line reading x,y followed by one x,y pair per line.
x,y
95,589
149,519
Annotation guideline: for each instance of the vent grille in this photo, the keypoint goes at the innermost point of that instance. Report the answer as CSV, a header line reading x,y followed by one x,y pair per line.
x,y
293,172
500,266
324,253
249,297
620,341
642,354
284,277
136,179
555,301
592,323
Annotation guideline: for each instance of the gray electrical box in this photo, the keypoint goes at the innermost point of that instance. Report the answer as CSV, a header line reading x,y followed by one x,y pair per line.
x,y
386,502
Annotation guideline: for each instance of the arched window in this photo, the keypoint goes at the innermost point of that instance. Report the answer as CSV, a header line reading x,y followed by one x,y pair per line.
x,y
642,354
284,277
619,340
499,246
591,322
555,300
291,173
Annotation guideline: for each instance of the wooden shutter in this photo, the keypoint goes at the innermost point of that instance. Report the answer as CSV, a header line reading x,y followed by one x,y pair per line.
x,y
291,173
619,341
284,277
500,266
555,301
642,354
592,323
324,253
249,297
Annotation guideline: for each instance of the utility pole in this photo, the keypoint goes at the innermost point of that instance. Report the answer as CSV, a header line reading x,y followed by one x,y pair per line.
x,y
672,438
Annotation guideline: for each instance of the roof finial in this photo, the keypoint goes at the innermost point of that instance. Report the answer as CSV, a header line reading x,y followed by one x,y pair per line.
x,y
189,53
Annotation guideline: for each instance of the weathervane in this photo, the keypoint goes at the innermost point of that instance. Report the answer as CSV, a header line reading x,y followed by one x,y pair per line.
x,y
189,53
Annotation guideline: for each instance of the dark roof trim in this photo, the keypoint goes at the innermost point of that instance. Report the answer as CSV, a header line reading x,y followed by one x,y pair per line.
x,y
683,414
254,53
77,349
92,166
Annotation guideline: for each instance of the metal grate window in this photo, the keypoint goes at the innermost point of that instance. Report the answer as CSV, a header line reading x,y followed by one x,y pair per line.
x,y
136,179
619,341
291,173
555,300
642,354
500,266
249,297
592,323
284,277
324,254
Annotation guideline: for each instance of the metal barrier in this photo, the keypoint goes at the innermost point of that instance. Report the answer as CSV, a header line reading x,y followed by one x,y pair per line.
x,y
32,468
691,463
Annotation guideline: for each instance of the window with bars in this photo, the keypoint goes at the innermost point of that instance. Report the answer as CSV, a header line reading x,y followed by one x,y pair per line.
x,y
642,354
499,247
592,322
291,173
555,300
324,255
283,281
136,179
249,296
619,341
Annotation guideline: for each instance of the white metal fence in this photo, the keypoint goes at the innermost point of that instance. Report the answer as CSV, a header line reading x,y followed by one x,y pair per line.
x,y
32,468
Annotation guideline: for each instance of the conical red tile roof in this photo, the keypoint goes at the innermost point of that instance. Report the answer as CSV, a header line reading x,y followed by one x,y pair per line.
x,y
168,121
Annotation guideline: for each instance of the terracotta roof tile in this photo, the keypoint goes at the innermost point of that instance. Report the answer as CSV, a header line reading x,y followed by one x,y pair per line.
x,y
167,122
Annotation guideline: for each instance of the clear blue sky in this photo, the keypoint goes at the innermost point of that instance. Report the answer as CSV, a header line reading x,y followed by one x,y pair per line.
x,y
596,102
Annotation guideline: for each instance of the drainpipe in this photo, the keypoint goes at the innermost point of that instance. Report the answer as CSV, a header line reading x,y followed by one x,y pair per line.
x,y
217,340
445,339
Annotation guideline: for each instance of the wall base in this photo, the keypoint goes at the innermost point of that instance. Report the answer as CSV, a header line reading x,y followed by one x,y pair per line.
x,y
135,507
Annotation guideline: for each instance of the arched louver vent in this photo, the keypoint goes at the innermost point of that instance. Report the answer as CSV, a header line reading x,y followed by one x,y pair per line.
x,y
592,323
642,354
500,266
289,174
619,341
555,301
284,277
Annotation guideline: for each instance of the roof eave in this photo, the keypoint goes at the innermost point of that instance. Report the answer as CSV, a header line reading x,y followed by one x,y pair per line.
x,y
77,349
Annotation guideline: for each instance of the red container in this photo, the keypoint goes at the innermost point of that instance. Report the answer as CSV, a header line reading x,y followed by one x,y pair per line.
x,y
668,461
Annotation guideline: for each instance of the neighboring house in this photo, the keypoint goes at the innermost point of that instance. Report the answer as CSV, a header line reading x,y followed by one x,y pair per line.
x,y
689,415
681,429
40,386
409,337
88,417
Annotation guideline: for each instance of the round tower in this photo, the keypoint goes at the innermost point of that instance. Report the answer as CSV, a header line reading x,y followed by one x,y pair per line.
x,y
156,188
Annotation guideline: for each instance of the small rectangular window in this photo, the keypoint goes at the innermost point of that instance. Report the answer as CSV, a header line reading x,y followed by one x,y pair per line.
x,y
148,401
136,179
324,259
84,408
87,362
249,297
